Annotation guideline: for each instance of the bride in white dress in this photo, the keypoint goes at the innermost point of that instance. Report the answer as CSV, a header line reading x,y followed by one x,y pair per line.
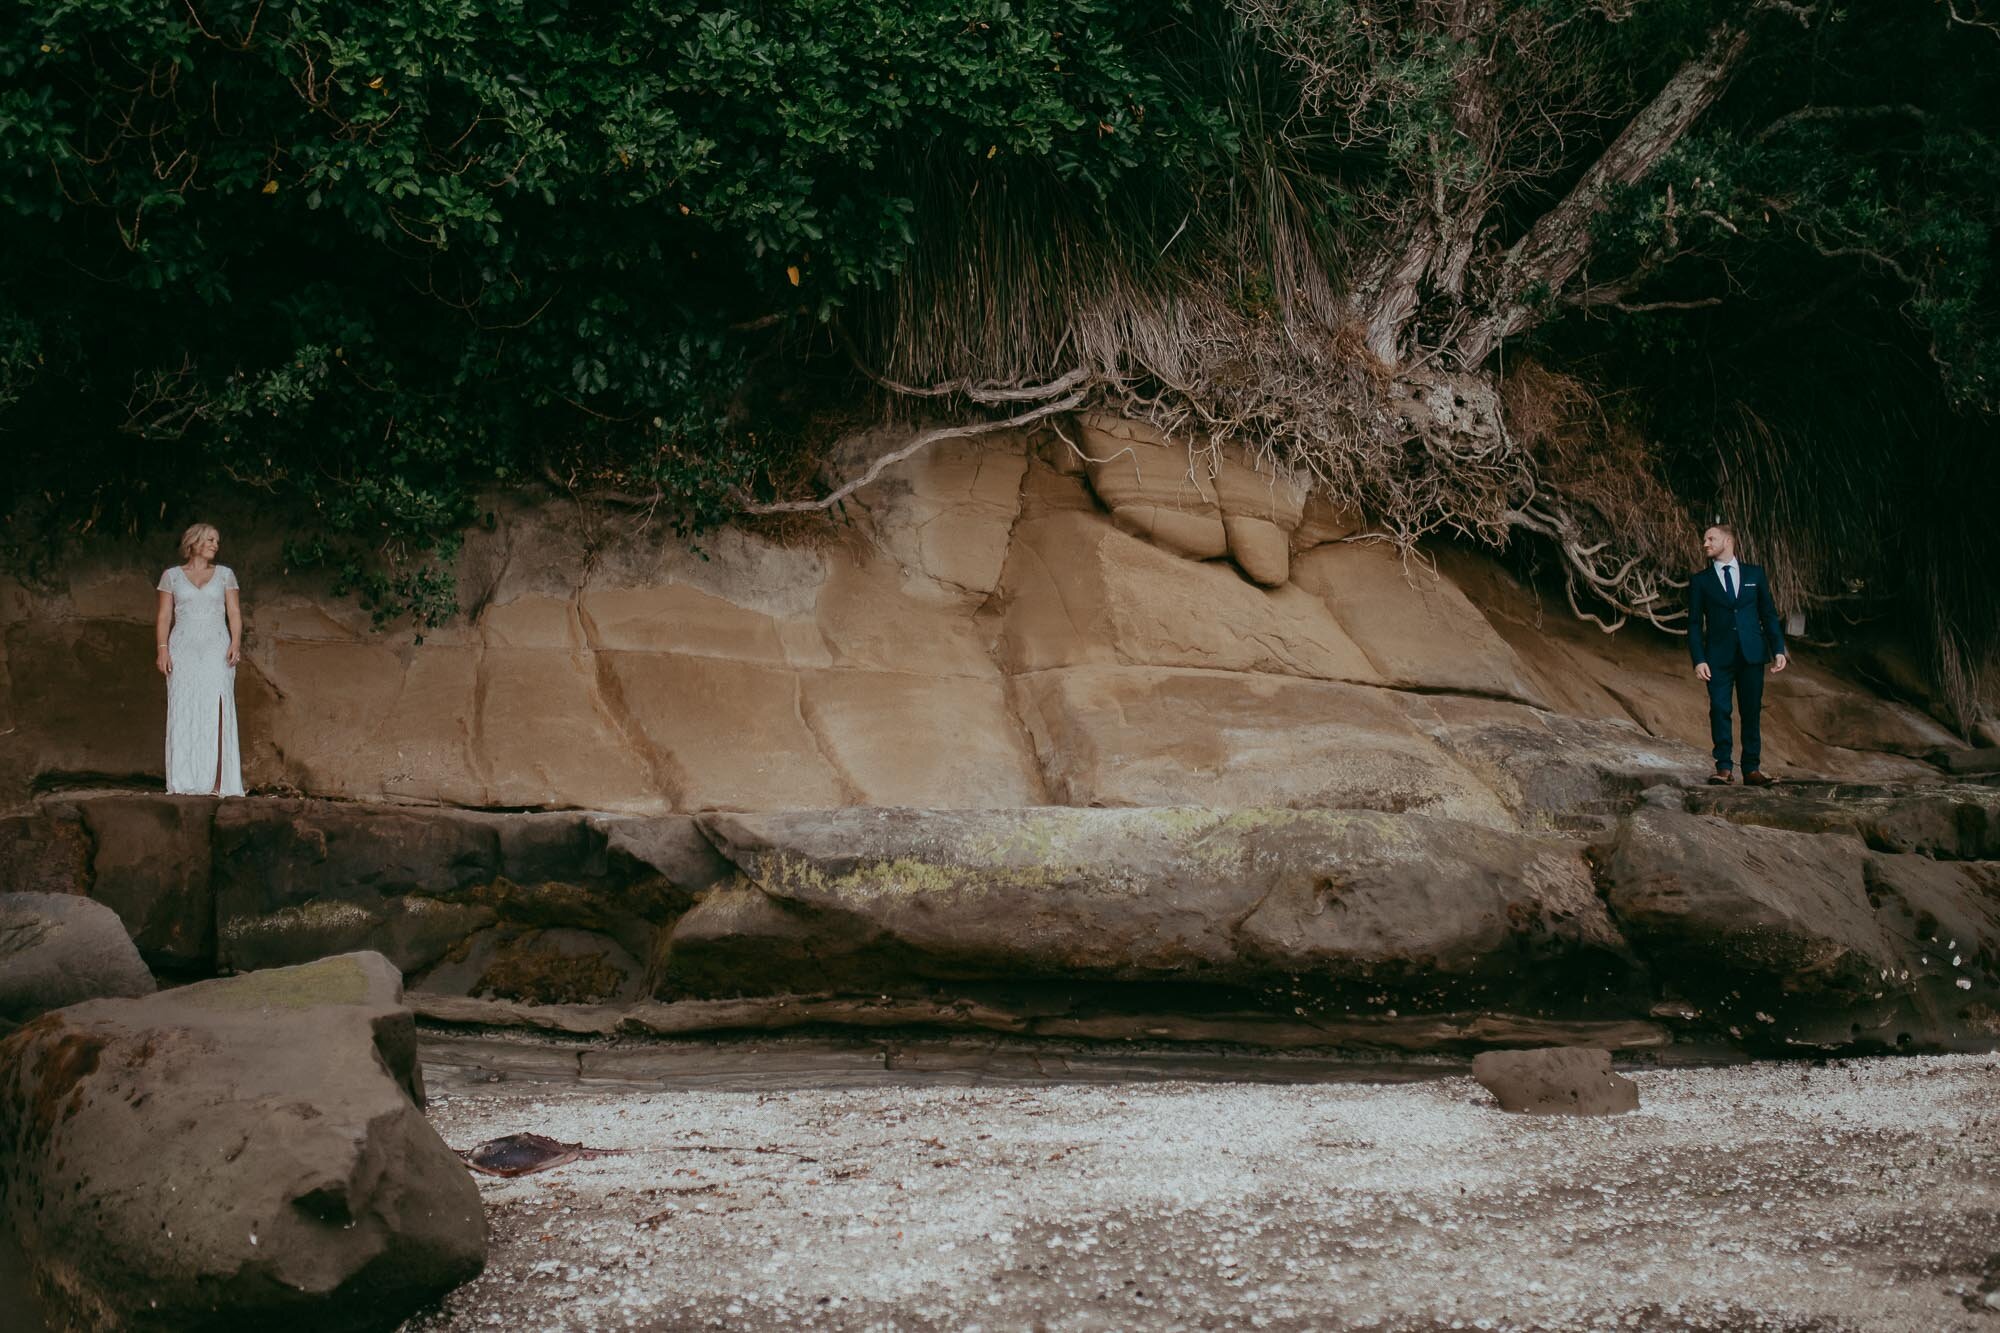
x,y
199,631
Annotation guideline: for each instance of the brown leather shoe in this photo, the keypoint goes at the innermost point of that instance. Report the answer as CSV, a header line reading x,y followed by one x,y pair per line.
x,y
1721,777
1757,777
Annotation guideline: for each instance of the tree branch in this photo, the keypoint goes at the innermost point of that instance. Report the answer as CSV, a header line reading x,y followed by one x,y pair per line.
x,y
1078,381
1555,248
1592,298
1958,18
1631,589
988,393
1806,113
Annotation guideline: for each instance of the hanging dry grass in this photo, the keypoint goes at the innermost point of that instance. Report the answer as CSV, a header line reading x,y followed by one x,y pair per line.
x,y
1232,332
1599,463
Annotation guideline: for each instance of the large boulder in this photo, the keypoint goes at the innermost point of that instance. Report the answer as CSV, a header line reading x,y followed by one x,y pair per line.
x,y
57,949
1346,909
1791,939
241,1153
1555,1081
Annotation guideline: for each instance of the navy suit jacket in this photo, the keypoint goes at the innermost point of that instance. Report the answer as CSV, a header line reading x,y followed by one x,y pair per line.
x,y
1723,631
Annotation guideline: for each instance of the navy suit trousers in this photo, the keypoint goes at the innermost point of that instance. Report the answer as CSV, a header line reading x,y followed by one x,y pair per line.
x,y
1746,681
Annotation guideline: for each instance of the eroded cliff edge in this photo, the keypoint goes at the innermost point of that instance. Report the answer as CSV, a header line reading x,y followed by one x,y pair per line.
x,y
1002,624
1120,742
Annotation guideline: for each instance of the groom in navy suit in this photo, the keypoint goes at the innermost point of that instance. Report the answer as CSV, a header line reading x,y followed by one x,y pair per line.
x,y
1733,631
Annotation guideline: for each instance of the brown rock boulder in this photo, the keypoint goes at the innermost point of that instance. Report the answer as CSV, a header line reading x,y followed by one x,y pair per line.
x,y
58,949
1944,917
557,966
1789,939
243,1153
1954,823
1367,909
1557,1080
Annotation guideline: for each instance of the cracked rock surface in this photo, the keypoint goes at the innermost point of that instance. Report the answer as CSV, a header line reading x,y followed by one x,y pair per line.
x,y
1813,918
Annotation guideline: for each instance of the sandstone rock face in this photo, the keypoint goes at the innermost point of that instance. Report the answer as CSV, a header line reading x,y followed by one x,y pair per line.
x,y
239,1153
1145,736
1555,1081
1198,499
77,700
1262,508
57,949
1323,521
910,657
1082,593
1416,627
1154,487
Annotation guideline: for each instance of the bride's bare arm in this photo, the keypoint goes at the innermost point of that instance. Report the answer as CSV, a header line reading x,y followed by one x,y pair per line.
x,y
234,603
163,624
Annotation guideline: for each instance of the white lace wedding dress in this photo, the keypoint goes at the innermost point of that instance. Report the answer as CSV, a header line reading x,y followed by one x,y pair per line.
x,y
202,758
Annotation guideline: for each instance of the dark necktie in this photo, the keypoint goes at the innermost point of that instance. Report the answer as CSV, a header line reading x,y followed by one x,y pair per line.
x,y
1728,584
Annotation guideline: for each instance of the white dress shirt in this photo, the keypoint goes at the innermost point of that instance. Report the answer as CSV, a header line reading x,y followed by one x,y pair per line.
x,y
1734,583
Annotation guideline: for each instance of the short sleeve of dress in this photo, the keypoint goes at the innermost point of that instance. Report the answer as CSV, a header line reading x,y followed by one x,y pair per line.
x,y
228,578
166,583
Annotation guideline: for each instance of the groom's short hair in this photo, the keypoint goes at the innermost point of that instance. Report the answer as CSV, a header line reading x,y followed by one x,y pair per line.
x,y
1728,530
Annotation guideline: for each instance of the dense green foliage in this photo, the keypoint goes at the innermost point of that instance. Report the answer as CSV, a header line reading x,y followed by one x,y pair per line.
x,y
373,260
370,257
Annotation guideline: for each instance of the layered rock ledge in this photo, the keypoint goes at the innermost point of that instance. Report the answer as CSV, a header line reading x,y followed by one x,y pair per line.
x,y
1818,918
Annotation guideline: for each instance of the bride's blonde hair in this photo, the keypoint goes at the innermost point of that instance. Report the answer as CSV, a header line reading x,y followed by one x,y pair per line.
x,y
193,536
